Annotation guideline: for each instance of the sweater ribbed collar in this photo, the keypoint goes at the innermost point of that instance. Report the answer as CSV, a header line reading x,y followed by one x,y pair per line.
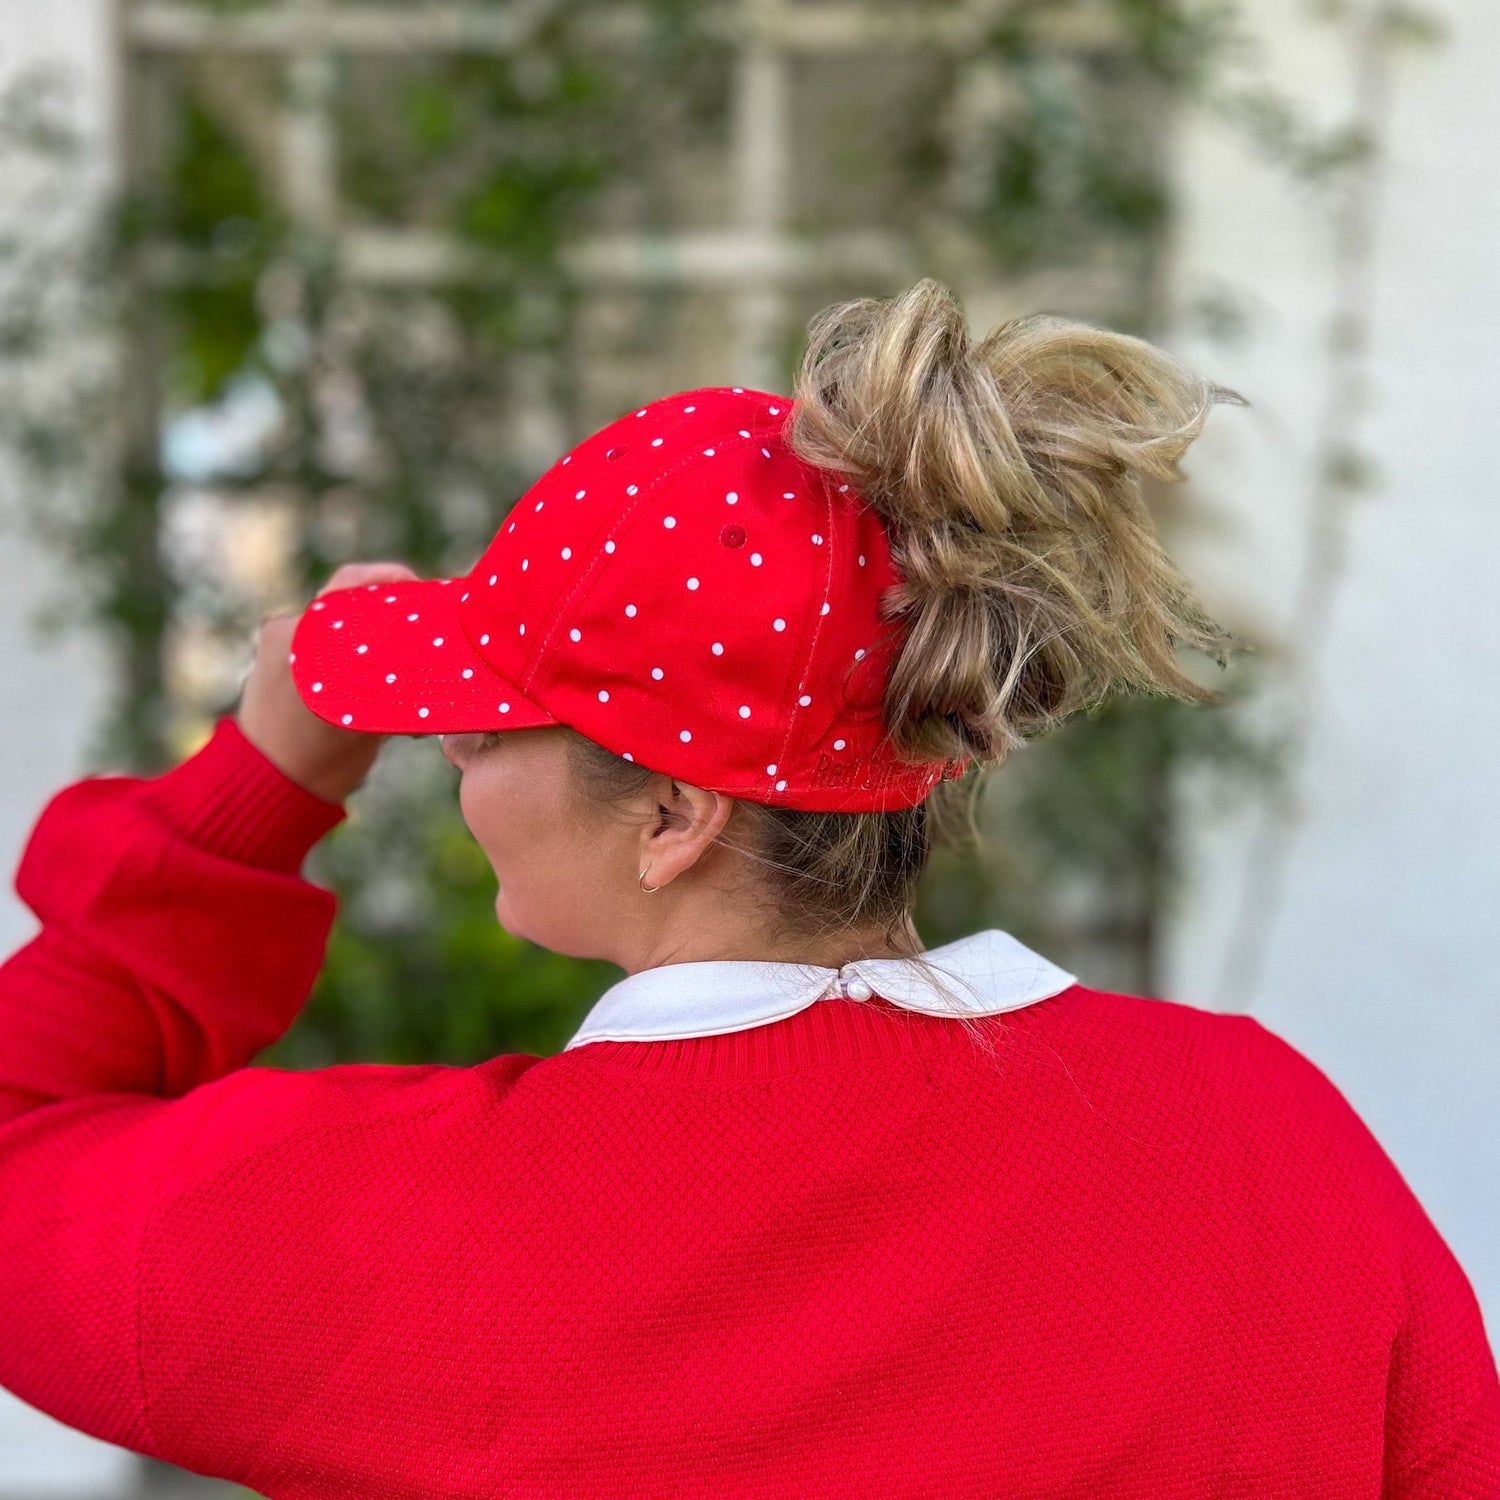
x,y
982,974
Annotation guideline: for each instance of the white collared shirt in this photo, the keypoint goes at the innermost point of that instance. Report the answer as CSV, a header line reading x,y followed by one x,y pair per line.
x,y
986,972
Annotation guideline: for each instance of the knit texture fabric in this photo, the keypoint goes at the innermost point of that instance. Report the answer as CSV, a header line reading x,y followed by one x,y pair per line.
x,y
1138,1250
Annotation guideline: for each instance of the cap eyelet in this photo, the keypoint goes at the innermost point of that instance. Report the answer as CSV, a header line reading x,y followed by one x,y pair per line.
x,y
733,536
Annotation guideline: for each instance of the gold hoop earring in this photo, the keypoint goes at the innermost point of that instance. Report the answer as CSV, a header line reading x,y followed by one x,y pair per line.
x,y
650,890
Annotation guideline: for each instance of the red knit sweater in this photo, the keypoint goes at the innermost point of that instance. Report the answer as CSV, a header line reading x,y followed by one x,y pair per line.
x,y
1146,1251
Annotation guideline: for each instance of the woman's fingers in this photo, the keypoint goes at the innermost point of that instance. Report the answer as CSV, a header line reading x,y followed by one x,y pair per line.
x,y
351,575
325,758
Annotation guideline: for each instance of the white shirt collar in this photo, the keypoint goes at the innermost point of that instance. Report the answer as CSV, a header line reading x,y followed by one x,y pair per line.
x,y
987,971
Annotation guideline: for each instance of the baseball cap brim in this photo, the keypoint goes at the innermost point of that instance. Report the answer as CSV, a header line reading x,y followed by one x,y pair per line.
x,y
393,658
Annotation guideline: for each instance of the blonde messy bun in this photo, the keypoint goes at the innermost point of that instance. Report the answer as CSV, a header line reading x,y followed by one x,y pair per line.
x,y
1008,473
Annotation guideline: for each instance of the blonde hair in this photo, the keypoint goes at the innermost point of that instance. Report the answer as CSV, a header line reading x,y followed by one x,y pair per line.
x,y
1008,474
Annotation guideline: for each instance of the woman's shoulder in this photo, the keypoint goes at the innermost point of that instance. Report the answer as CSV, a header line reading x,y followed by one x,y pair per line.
x,y
1178,1030
1228,1086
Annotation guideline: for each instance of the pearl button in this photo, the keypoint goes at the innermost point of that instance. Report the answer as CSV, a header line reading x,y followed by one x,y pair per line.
x,y
857,989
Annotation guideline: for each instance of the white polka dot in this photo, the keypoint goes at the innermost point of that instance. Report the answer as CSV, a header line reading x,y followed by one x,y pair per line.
x,y
580,494
319,604
523,627
291,656
468,672
756,559
743,433
765,452
708,453
568,458
337,625
692,583
390,598
630,611
462,597
348,718
744,710
718,648
690,408
609,546
739,390
774,410
604,695
411,617
372,586
732,497
317,687
778,624
390,676
511,527
861,559
437,640
781,786
505,708
787,495
842,488
817,540
825,608
525,563
538,505
567,552
804,700
421,713
685,735
575,635
860,653
361,649
771,769
630,489
656,673
484,640
641,412
838,744
656,442
628,755
493,577
669,521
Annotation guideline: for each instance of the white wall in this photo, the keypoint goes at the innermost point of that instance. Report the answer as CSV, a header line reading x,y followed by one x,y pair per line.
x,y
1377,964
50,699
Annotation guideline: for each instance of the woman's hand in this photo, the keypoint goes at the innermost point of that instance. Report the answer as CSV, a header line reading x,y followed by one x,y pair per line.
x,y
320,757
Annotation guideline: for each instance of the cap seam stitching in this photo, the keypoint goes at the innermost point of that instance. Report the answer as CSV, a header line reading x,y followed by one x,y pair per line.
x,y
622,522
620,526
788,714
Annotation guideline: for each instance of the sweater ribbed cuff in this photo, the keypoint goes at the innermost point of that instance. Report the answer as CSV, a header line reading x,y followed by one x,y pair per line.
x,y
232,800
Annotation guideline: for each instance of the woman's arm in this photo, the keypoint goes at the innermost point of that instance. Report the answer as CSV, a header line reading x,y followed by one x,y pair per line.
x,y
1443,1398
177,941
177,938
1442,1405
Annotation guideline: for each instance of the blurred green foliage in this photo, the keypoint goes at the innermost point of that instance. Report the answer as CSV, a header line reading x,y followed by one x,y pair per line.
x,y
217,206
516,156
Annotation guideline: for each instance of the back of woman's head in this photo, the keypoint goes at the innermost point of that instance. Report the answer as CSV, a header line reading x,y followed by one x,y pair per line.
x,y
1008,474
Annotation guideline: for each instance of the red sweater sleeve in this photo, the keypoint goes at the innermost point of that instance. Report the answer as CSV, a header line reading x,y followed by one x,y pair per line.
x,y
1443,1395
1442,1416
177,940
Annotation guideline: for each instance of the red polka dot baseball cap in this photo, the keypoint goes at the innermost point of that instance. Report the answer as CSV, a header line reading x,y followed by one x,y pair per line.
x,y
680,588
